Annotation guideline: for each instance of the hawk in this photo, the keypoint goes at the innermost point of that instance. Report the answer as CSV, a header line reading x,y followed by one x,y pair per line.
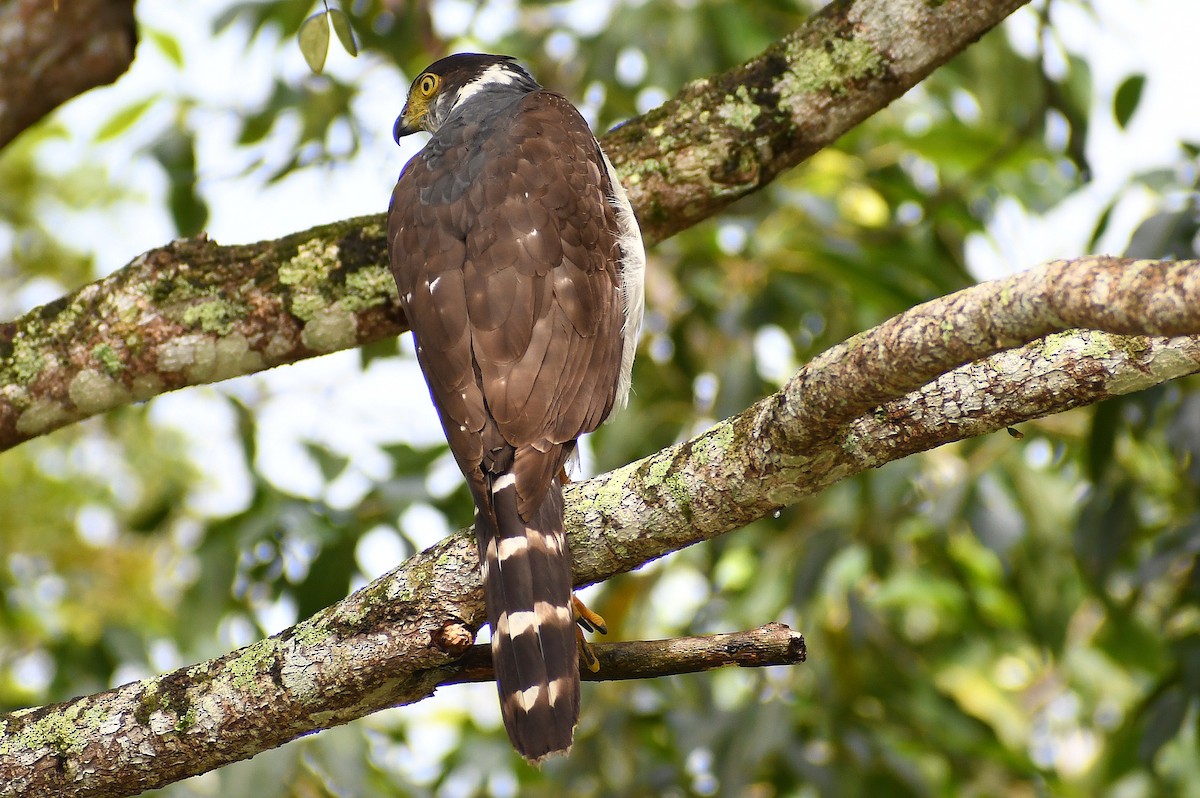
x,y
519,264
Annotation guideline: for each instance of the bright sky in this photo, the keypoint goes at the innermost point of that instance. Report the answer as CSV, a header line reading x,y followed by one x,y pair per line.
x,y
1118,38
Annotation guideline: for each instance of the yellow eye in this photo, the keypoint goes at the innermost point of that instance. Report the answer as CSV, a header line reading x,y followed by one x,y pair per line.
x,y
427,84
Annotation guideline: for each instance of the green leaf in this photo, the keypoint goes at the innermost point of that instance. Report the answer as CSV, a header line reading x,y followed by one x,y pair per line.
x,y
1126,100
1101,226
341,26
256,126
330,463
329,576
314,41
1156,236
122,120
167,43
1106,423
176,151
388,347
1162,719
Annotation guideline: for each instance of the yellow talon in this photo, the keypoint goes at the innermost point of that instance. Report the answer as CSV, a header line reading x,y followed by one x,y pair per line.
x,y
592,622
586,652
588,619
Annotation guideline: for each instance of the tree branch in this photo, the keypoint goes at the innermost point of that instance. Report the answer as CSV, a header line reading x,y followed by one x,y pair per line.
x,y
54,51
772,644
727,136
191,313
194,312
807,436
385,644
1116,295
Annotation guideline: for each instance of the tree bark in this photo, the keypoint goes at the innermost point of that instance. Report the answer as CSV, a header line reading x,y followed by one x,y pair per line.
x,y
727,136
54,51
194,312
384,645
771,644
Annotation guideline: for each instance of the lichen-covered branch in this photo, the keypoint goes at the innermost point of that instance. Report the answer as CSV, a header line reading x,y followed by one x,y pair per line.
x,y
1117,295
728,135
195,312
833,420
54,51
389,643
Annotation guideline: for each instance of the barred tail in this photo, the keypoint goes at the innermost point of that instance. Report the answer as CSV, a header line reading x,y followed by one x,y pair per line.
x,y
527,587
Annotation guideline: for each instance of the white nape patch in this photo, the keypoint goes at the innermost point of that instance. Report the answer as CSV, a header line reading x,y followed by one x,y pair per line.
x,y
513,546
521,622
633,281
529,697
503,481
495,75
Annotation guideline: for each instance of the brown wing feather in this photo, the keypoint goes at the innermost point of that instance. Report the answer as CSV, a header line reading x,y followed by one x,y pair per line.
x,y
551,375
516,306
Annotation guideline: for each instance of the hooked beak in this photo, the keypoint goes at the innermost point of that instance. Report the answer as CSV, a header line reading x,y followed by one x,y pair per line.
x,y
404,126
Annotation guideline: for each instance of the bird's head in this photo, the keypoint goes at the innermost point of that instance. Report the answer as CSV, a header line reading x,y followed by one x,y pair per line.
x,y
446,84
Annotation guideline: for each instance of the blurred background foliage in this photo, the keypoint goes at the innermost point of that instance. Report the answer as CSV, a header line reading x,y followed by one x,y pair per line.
x,y
998,617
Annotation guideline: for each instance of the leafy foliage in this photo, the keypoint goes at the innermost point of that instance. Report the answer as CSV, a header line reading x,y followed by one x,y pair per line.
x,y
1000,616
314,36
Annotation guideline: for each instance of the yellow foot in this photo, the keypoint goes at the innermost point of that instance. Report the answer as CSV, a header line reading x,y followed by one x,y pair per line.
x,y
586,653
592,622
589,620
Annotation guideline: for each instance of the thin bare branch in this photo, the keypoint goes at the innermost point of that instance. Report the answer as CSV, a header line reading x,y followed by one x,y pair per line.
x,y
771,644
